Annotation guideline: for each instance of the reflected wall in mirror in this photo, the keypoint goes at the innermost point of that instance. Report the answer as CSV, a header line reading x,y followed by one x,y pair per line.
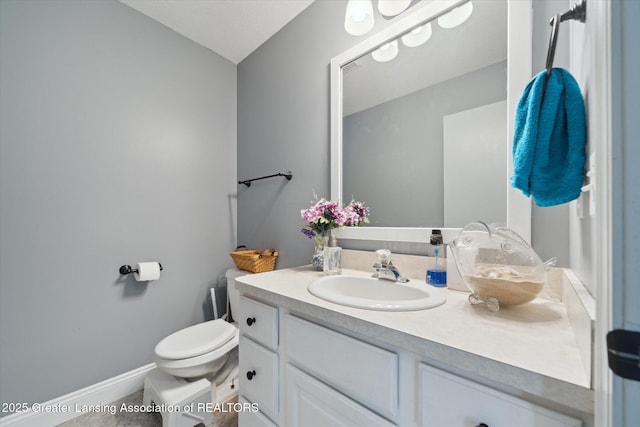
x,y
405,149
420,128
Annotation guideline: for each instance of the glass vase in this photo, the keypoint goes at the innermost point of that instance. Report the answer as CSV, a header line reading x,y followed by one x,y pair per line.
x,y
317,262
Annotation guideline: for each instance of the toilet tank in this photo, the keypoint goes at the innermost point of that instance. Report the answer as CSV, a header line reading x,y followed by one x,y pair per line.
x,y
232,292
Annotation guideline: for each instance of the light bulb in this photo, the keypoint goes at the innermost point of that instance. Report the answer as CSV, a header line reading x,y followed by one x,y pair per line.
x,y
456,16
392,7
386,52
358,19
417,36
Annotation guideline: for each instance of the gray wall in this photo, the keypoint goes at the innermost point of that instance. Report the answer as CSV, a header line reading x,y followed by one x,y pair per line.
x,y
283,124
404,137
283,117
117,146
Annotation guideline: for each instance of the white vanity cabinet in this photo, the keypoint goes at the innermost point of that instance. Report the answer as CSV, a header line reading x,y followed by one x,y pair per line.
x,y
304,374
258,361
327,378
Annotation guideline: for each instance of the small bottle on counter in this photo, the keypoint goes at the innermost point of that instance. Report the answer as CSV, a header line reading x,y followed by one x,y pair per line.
x,y
437,276
332,257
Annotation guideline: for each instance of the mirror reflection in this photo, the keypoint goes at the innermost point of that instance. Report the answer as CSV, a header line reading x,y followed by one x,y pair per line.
x,y
425,122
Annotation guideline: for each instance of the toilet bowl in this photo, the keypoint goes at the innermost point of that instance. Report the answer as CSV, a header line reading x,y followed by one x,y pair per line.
x,y
198,350
195,366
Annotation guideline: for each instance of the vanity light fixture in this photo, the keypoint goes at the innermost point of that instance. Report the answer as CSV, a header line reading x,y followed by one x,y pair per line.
x,y
418,36
358,19
456,16
386,52
392,7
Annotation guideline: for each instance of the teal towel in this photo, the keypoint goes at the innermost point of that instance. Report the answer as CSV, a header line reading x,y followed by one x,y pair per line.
x,y
549,142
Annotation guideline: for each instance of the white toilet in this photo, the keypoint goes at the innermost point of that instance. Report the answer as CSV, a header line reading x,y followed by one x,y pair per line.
x,y
196,367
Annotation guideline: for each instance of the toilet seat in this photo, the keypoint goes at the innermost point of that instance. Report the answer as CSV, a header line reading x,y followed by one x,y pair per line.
x,y
205,363
195,340
199,365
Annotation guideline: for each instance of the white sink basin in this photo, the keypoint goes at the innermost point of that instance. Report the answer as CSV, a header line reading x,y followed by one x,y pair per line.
x,y
374,294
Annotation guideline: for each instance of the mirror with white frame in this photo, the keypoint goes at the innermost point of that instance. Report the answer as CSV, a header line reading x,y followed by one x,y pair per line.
x,y
420,118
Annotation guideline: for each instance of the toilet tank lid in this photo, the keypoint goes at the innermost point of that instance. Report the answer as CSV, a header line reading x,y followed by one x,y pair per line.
x,y
195,340
234,273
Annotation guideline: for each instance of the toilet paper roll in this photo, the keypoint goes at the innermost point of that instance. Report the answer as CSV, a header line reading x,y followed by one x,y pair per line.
x,y
147,271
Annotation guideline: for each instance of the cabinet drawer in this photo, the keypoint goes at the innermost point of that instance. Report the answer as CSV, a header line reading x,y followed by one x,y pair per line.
x,y
259,321
252,418
309,403
448,400
258,370
362,371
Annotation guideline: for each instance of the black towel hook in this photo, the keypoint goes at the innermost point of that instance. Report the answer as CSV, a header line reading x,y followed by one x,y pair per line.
x,y
578,13
553,40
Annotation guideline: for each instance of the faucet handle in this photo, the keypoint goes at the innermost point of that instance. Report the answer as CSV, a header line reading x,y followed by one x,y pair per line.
x,y
384,256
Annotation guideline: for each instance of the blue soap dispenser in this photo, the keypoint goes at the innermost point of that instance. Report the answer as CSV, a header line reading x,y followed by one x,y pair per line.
x,y
437,276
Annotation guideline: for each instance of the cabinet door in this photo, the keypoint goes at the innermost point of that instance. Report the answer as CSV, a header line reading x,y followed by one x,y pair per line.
x,y
310,403
365,372
448,400
258,369
250,418
259,321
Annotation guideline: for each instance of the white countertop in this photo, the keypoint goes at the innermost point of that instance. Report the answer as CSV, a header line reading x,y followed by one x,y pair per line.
x,y
529,347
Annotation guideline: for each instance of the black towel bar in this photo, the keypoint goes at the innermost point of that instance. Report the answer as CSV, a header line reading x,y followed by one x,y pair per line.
x,y
248,182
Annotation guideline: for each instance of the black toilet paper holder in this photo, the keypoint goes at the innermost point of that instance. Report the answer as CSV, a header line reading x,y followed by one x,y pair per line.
x,y
126,269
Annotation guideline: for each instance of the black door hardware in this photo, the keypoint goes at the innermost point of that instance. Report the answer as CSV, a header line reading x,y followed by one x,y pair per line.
x,y
623,349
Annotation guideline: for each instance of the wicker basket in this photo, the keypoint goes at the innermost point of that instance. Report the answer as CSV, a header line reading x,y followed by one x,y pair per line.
x,y
254,261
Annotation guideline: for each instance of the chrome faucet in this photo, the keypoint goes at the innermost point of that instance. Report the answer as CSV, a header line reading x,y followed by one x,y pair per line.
x,y
385,270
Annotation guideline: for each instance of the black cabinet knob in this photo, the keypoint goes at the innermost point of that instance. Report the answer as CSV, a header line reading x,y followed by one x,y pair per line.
x,y
251,374
482,425
251,320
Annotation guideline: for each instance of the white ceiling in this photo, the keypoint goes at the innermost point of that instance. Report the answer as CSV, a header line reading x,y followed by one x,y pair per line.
x,y
231,28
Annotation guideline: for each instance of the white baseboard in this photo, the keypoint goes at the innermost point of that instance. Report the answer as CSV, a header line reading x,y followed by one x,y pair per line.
x,y
102,393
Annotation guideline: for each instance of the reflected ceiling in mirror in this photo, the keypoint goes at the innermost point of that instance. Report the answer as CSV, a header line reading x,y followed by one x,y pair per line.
x,y
424,132
448,52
